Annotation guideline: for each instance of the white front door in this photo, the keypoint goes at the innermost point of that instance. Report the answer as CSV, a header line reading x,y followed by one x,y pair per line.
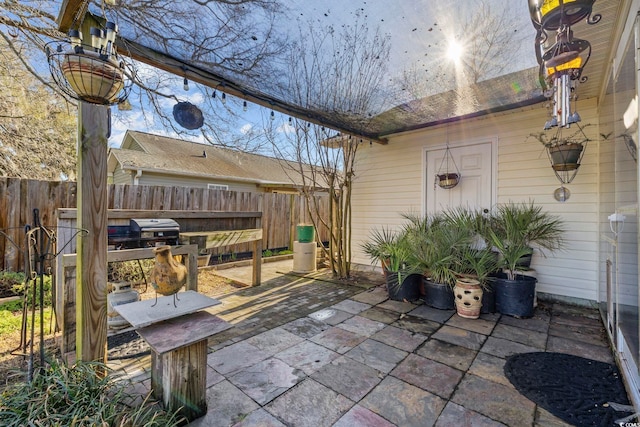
x,y
475,165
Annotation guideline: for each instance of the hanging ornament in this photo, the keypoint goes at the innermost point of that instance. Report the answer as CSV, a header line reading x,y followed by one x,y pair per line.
x,y
188,115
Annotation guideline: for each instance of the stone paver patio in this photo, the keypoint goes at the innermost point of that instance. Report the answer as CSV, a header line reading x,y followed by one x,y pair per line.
x,y
313,352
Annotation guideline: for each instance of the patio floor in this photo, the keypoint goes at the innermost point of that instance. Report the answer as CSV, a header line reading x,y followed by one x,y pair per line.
x,y
307,351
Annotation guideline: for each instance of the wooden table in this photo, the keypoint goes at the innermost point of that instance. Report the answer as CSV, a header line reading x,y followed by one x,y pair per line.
x,y
178,340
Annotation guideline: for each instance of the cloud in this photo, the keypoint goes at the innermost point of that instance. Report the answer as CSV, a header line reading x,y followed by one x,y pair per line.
x,y
286,129
246,129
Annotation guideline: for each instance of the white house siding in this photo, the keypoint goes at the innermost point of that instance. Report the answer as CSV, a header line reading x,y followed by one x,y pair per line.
x,y
122,177
391,181
149,178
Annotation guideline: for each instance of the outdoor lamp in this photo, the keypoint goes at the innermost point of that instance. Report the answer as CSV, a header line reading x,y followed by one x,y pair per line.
x,y
553,14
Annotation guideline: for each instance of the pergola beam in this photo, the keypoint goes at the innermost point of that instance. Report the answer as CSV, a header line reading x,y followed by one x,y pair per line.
x,y
207,78
70,9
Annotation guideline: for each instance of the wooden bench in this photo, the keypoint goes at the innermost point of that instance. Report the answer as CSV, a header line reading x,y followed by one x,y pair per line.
x,y
178,340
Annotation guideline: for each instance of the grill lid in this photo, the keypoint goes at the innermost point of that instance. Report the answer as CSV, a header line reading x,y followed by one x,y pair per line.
x,y
154,224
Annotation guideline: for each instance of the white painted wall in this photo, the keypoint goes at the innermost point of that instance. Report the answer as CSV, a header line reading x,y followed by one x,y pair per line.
x,y
149,178
391,181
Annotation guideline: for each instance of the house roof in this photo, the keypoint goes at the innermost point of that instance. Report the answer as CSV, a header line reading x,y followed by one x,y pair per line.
x,y
171,156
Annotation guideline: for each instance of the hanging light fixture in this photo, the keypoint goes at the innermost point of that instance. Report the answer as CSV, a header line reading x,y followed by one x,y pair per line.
x,y
553,14
561,66
91,72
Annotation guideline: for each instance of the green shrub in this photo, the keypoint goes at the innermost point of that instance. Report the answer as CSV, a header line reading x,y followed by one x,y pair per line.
x,y
8,282
78,395
285,252
33,286
133,271
267,253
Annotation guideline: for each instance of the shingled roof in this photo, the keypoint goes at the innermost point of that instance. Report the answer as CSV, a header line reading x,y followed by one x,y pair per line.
x,y
171,156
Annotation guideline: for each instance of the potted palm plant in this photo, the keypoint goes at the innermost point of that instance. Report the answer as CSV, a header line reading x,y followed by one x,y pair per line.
x,y
435,248
474,262
472,290
391,249
515,229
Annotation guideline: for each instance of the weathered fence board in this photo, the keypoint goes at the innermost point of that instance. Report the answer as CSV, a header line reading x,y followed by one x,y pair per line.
x,y
18,199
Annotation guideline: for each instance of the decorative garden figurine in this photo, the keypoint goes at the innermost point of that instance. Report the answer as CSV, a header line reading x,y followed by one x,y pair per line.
x,y
168,275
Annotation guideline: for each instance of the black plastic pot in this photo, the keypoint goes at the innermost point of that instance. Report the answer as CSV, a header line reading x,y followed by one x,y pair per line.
x,y
405,287
438,295
515,297
525,260
488,300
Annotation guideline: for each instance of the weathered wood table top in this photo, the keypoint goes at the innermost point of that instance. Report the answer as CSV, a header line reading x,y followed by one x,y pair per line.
x,y
145,313
182,331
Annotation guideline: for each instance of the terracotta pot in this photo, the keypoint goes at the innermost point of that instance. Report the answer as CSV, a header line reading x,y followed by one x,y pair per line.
x,y
168,275
468,298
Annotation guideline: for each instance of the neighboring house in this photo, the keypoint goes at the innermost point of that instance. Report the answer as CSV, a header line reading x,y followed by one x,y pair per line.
x,y
500,162
147,159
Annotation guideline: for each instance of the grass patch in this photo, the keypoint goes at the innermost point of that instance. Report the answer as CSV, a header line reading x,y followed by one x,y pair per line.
x,y
11,322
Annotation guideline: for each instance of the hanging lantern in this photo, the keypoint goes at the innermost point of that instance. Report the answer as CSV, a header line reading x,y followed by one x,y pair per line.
x,y
561,69
549,15
94,72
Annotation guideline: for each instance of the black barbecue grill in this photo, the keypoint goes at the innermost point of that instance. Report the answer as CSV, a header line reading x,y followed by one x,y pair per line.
x,y
144,233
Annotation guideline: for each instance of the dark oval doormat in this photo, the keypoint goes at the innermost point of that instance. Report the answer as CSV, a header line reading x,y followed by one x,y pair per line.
x,y
574,389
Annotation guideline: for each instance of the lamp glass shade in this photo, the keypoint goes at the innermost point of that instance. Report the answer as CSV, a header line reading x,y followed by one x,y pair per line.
x,y
555,13
574,64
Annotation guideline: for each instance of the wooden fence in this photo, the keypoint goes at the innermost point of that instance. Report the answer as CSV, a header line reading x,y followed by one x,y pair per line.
x,y
18,199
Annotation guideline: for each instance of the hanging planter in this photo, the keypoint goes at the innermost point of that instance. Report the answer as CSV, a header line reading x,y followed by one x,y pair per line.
x,y
93,73
94,80
565,154
565,157
447,178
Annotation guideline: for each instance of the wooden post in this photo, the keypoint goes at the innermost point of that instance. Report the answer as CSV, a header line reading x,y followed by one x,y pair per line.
x,y
91,272
184,380
257,249
292,225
